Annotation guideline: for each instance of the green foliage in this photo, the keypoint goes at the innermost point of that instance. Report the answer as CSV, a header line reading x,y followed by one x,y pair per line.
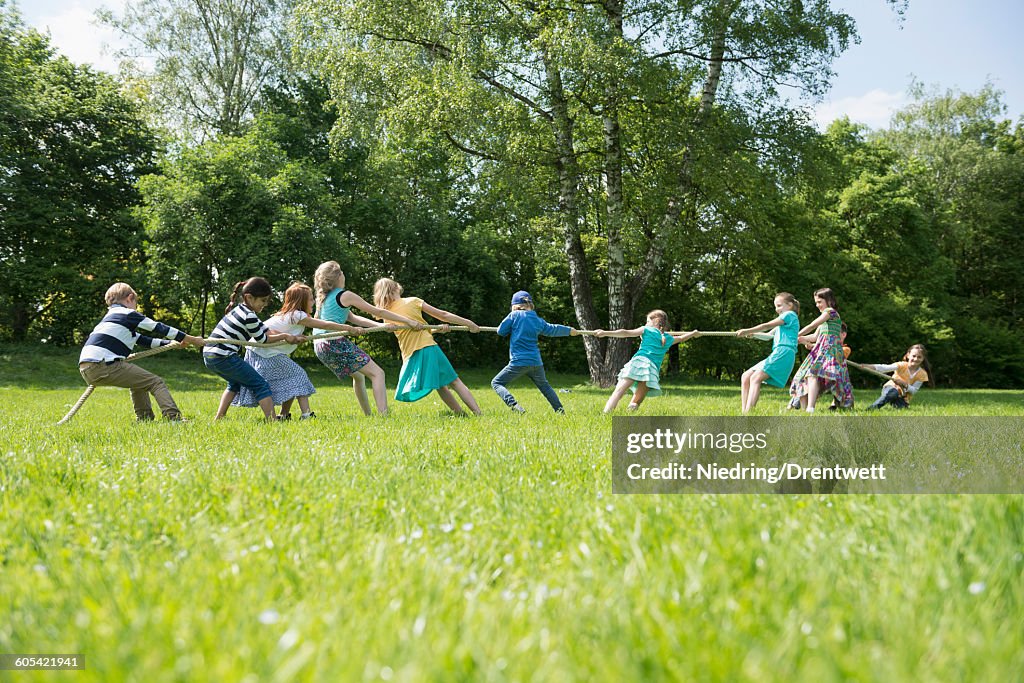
x,y
72,146
230,209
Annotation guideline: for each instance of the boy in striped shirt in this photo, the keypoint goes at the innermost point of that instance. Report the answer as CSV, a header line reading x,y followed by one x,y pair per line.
x,y
102,361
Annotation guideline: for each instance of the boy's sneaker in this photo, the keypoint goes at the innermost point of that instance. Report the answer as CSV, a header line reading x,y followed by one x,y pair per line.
x,y
308,416
518,409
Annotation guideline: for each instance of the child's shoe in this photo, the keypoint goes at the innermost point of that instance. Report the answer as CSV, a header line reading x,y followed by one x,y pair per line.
x,y
307,416
518,409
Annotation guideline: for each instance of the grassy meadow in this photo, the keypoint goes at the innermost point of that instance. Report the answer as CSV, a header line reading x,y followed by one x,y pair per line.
x,y
424,546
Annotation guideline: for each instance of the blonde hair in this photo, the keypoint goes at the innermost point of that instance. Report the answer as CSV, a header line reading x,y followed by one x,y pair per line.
x,y
386,292
525,306
117,292
325,279
298,297
789,299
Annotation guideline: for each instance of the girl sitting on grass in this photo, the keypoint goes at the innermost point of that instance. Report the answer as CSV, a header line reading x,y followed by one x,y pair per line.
x,y
907,377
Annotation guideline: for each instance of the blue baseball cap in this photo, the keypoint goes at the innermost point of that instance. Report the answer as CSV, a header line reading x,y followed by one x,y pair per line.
x,y
521,297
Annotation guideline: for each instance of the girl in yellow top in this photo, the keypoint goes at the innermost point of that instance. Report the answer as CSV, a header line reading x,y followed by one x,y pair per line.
x,y
425,368
907,377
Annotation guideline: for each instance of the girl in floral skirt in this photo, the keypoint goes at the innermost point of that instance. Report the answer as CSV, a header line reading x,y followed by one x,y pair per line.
x,y
824,368
343,357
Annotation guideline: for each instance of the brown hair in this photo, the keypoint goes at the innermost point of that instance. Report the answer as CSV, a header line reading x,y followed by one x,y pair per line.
x,y
828,295
255,287
789,299
924,364
386,292
298,297
660,320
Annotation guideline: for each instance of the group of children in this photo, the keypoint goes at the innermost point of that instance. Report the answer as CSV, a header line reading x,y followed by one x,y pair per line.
x,y
267,377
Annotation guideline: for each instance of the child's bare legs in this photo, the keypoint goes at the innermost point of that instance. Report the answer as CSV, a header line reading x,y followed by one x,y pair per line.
x,y
267,405
467,397
225,402
757,377
286,407
303,405
813,389
380,390
639,396
359,387
449,400
745,388
620,390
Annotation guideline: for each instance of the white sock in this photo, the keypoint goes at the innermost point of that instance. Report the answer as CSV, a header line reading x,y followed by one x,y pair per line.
x,y
810,409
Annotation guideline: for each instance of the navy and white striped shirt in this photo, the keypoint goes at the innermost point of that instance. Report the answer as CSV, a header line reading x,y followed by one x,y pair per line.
x,y
118,333
240,323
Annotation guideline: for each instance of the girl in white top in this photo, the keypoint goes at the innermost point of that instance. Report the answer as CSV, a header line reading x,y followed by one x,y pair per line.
x,y
288,381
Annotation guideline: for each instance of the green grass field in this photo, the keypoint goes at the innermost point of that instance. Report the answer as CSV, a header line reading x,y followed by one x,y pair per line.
x,y
428,547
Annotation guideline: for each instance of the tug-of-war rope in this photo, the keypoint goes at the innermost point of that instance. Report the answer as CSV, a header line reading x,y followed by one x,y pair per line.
x,y
761,336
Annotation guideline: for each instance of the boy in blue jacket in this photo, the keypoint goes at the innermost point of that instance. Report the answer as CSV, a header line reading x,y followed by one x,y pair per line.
x,y
525,326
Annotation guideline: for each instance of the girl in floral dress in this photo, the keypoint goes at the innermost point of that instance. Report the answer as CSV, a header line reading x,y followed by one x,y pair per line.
x,y
824,369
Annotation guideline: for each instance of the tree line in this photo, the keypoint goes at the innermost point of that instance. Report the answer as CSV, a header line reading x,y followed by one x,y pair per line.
x,y
609,157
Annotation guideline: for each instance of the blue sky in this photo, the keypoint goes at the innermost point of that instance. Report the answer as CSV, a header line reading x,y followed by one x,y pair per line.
x,y
950,43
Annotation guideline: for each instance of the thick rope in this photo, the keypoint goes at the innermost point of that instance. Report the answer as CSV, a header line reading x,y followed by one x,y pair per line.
x,y
870,371
760,336
130,359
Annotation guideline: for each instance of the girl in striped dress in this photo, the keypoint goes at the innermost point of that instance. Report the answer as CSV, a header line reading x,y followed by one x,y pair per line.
x,y
288,381
425,368
241,323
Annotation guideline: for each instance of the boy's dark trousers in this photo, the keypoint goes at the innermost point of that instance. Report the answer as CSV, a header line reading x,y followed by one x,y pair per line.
x,y
511,373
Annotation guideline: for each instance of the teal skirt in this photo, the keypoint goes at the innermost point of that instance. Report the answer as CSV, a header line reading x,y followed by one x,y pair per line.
x,y
426,370
642,369
778,365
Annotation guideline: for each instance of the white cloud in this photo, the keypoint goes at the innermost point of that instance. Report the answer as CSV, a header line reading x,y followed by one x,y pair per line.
x,y
77,35
873,108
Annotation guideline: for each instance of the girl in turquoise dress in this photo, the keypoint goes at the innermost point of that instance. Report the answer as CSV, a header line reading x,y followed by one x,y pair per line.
x,y
824,369
774,369
643,370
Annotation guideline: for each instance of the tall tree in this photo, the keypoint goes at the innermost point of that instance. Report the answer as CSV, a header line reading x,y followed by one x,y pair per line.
x,y
639,95
211,58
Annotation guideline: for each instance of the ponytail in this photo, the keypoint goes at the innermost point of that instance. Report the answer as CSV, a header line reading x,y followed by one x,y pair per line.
x,y
661,321
236,295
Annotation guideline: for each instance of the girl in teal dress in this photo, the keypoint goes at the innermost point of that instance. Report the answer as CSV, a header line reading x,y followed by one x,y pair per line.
x,y
824,369
643,370
774,369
